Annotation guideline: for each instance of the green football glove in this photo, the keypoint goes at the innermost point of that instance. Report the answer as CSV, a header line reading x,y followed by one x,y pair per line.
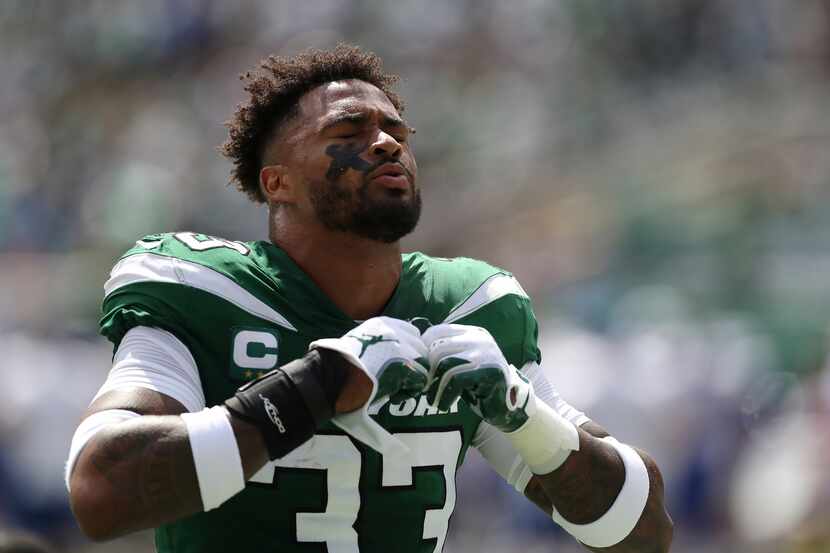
x,y
466,362
394,357
389,351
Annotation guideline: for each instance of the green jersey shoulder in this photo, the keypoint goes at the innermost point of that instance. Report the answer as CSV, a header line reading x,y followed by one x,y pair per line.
x,y
468,291
165,272
243,308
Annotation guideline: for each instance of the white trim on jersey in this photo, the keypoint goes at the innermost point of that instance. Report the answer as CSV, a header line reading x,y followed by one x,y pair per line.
x,y
151,267
497,449
495,287
155,359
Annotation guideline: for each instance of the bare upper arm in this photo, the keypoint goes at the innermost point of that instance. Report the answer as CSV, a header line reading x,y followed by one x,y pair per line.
x,y
114,485
136,399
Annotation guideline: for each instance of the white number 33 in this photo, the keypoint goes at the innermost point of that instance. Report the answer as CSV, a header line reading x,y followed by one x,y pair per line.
x,y
341,460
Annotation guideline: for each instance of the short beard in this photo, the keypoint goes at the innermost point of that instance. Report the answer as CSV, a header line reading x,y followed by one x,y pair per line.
x,y
386,220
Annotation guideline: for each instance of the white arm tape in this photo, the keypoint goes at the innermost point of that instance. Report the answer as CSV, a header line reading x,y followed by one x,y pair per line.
x,y
618,521
497,449
87,429
215,455
546,439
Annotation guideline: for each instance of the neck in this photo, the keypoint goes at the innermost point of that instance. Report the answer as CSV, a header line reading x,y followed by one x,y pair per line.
x,y
359,275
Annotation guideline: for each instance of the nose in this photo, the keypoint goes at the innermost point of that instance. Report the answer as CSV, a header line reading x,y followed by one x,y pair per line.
x,y
385,146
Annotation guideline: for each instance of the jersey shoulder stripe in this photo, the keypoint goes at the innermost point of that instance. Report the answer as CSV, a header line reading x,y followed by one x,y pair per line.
x,y
153,267
469,291
494,288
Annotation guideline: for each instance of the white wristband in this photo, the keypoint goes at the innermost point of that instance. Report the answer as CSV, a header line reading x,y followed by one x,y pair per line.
x,y
618,521
546,439
215,455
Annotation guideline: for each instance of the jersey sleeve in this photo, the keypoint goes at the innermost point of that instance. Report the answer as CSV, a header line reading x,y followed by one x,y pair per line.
x,y
147,314
155,359
208,293
139,295
501,305
163,281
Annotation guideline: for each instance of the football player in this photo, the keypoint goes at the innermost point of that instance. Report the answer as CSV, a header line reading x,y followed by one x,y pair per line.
x,y
321,389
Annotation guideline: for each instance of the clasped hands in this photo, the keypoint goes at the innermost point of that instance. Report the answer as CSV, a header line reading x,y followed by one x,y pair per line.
x,y
393,358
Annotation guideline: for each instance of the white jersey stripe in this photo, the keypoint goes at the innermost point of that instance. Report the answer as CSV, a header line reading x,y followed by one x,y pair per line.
x,y
150,267
495,287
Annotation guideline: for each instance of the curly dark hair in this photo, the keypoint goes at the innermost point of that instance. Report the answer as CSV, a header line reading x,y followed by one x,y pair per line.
x,y
275,89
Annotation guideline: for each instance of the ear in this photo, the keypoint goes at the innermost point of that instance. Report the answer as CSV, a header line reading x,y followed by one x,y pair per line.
x,y
277,184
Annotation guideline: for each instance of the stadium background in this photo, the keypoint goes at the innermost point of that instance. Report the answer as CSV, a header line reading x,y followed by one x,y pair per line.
x,y
655,173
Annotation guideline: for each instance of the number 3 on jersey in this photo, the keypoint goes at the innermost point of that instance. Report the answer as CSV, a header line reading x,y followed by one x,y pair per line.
x,y
196,242
341,461
202,242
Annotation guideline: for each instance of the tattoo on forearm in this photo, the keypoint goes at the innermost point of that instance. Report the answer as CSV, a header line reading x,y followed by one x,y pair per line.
x,y
150,468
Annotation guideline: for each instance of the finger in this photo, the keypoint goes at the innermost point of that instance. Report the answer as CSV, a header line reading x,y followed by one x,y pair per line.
x,y
399,375
471,400
448,369
436,375
437,372
422,365
406,383
491,397
449,345
415,345
451,358
412,384
490,393
400,327
471,336
418,359
457,381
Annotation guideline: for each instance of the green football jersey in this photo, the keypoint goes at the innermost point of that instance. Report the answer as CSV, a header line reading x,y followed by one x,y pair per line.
x,y
243,309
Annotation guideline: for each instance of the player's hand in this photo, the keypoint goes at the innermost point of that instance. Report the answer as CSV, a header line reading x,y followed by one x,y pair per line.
x,y
389,352
465,361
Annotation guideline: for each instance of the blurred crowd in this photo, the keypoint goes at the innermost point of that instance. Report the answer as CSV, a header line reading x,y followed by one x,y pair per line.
x,y
655,173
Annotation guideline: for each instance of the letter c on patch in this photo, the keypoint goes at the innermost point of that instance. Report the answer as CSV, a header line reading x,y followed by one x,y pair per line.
x,y
262,357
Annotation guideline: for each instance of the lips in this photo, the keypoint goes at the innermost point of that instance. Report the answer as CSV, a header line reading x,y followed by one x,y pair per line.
x,y
390,175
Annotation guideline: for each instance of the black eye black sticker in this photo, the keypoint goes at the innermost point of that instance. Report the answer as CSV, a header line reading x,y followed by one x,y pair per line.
x,y
344,157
